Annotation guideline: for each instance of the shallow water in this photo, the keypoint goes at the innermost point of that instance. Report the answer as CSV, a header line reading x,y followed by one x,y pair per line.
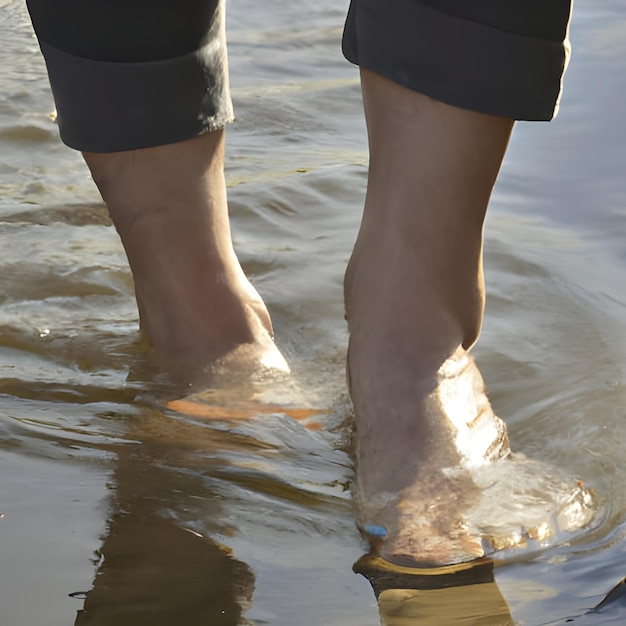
x,y
91,465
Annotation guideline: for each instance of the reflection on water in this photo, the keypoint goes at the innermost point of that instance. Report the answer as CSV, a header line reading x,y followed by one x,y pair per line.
x,y
151,569
252,522
177,483
480,604
438,596
153,572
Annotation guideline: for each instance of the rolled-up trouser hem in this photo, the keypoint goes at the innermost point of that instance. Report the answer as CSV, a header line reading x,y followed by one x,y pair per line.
x,y
457,61
111,107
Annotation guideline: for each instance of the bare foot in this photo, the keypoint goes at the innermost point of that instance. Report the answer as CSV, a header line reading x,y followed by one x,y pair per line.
x,y
454,491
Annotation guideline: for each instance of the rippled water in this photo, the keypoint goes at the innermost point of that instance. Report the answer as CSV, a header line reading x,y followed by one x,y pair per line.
x,y
207,523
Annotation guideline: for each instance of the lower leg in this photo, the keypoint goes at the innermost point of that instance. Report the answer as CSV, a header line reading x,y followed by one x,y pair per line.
x,y
196,306
414,297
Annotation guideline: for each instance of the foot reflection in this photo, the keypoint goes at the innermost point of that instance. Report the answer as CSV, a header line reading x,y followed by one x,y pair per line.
x,y
154,572
465,593
152,569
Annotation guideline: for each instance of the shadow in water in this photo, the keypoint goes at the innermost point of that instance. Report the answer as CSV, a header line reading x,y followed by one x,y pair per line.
x,y
465,594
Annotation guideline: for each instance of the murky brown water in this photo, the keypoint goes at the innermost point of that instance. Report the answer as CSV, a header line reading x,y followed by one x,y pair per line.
x,y
200,524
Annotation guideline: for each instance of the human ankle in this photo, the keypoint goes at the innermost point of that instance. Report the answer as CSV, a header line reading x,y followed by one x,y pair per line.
x,y
169,206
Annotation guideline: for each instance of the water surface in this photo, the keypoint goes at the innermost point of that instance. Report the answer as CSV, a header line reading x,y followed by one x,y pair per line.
x,y
254,524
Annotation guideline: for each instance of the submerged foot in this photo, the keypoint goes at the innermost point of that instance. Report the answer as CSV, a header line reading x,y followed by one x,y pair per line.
x,y
509,504
243,397
449,490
